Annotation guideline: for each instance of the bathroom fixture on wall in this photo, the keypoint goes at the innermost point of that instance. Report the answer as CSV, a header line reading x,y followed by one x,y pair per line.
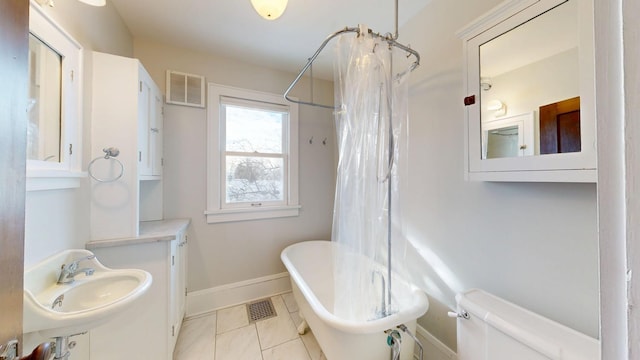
x,y
109,154
84,303
269,9
391,39
485,84
498,107
532,53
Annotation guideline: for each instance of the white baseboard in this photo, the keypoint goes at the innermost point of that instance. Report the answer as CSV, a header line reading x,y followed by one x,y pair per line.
x,y
434,349
208,300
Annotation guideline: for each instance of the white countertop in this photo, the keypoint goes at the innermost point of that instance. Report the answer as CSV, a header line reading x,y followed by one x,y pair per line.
x,y
150,231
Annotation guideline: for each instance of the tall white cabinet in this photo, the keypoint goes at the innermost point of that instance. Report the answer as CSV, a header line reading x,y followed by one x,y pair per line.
x,y
127,114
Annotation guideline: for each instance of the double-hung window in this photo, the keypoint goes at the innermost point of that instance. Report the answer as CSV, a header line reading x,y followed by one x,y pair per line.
x,y
252,159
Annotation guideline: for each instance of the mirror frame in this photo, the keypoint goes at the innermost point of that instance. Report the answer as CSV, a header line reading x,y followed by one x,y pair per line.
x,y
44,175
565,167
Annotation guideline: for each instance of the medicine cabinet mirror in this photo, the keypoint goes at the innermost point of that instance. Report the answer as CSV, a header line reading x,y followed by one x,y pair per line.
x,y
53,105
530,92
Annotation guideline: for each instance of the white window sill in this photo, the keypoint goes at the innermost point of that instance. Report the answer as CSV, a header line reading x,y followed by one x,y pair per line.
x,y
257,213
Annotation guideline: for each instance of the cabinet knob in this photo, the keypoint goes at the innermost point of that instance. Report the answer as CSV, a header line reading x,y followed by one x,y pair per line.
x,y
469,100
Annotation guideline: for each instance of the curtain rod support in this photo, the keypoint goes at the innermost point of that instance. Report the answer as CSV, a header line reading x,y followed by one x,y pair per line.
x,y
389,38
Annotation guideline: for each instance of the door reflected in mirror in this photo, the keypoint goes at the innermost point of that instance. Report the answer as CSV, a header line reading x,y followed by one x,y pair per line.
x,y
532,71
45,99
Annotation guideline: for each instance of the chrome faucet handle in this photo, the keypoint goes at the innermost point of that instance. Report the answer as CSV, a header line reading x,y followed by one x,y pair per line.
x,y
73,266
68,271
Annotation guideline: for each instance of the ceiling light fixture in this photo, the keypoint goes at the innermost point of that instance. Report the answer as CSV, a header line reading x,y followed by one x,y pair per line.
x,y
88,2
94,2
498,107
269,9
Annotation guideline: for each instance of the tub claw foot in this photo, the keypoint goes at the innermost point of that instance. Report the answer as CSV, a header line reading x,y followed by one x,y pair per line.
x,y
303,327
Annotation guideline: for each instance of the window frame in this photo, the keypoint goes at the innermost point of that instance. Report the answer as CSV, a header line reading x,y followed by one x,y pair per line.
x,y
217,209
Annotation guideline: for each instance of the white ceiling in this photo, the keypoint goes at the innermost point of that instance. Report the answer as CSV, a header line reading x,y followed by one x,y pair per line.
x,y
231,28
547,35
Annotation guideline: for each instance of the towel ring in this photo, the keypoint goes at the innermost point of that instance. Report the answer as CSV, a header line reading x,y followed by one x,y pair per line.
x,y
109,153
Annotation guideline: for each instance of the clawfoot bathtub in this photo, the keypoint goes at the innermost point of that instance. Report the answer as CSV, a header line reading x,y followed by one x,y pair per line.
x,y
310,266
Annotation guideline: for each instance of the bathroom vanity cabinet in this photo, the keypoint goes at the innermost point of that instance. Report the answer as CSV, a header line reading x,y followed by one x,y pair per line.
x,y
127,114
148,330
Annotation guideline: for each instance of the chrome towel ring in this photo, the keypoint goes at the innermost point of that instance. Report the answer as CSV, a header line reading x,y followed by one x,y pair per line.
x,y
109,153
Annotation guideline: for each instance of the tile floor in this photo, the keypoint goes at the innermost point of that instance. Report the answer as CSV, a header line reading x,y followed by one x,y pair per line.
x,y
227,335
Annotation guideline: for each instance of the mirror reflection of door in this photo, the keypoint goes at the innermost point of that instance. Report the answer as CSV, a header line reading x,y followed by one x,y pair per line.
x,y
532,65
560,127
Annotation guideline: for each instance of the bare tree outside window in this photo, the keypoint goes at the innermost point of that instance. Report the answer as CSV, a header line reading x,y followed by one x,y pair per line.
x,y
254,155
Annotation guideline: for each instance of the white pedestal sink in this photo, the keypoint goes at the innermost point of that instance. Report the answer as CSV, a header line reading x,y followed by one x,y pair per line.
x,y
87,301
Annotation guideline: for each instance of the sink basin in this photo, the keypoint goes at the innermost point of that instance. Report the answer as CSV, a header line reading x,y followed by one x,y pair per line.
x,y
54,309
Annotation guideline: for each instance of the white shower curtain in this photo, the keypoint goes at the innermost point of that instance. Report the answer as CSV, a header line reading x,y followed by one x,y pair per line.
x,y
371,117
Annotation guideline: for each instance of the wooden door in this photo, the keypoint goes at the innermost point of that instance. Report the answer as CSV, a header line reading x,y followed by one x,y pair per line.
x,y
560,127
14,32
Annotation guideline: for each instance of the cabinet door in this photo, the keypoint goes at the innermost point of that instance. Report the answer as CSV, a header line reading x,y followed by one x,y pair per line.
x,y
145,111
178,285
182,277
149,128
176,294
156,134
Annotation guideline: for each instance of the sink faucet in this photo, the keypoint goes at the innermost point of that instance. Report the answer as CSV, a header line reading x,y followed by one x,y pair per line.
x,y
69,271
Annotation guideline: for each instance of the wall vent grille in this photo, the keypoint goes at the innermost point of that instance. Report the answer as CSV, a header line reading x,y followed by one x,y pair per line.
x,y
185,89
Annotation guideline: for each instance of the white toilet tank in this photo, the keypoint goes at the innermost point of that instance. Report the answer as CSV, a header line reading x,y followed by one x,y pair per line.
x,y
498,330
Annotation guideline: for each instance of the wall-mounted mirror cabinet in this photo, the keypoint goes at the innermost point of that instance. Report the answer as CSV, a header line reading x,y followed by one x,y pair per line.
x,y
54,105
530,114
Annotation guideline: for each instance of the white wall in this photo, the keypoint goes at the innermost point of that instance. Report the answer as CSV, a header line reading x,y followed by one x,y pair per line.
x,y
527,88
226,253
56,220
532,244
59,219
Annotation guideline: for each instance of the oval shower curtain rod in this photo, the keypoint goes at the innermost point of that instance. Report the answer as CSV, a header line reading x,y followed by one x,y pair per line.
x,y
389,38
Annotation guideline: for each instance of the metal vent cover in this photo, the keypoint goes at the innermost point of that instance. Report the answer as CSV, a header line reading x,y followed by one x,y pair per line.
x,y
260,310
185,89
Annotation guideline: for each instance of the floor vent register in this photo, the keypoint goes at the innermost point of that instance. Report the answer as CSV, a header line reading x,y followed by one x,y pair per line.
x,y
260,310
